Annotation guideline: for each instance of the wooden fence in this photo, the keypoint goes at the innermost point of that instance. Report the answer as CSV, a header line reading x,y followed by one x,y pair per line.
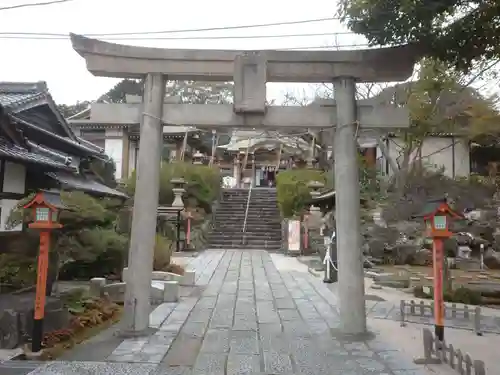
x,y
412,308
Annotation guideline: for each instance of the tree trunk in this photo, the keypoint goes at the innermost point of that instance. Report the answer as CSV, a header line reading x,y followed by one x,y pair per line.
x,y
383,149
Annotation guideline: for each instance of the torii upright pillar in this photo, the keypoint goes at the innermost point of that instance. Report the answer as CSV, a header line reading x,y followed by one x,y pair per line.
x,y
143,234
347,214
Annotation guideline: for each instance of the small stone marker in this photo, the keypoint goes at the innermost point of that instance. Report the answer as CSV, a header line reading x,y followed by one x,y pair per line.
x,y
189,278
157,290
171,291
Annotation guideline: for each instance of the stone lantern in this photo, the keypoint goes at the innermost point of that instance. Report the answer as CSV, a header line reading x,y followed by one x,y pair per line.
x,y
198,158
178,190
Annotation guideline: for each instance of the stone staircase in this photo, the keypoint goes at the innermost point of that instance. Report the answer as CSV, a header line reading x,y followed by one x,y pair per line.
x,y
263,227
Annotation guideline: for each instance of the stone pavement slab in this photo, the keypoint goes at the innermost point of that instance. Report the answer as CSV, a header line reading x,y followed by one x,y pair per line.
x,y
81,368
250,319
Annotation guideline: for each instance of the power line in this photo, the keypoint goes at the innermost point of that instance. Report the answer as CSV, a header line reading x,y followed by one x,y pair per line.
x,y
251,26
35,4
34,36
323,47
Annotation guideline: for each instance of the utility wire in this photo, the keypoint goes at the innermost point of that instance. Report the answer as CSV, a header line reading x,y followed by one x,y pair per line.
x,y
251,26
35,36
323,47
27,5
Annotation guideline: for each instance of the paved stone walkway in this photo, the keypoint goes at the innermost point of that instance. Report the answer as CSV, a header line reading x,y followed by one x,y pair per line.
x,y
249,319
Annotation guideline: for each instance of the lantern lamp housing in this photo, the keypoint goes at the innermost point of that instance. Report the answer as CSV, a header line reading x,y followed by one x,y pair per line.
x,y
437,215
45,208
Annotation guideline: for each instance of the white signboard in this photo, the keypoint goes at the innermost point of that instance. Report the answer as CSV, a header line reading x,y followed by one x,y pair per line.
x,y
294,235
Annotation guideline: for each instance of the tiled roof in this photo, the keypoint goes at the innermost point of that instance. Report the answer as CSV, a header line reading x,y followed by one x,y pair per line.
x,y
18,95
84,184
21,119
12,151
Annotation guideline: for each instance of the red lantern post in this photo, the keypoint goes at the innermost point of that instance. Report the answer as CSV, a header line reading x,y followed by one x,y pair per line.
x,y
437,215
45,208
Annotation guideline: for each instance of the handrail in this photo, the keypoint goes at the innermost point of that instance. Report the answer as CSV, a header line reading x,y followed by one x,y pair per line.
x,y
248,205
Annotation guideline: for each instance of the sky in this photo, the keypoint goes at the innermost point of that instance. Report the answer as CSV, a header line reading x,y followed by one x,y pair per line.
x,y
55,62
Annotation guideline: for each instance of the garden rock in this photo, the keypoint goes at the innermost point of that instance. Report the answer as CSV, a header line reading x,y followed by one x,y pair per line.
x,y
422,257
492,259
115,291
9,330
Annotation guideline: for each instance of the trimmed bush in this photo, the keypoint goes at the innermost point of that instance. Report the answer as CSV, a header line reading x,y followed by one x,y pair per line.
x,y
202,188
292,190
162,254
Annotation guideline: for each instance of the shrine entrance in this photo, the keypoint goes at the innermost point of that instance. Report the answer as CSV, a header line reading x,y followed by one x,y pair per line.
x,y
265,176
250,70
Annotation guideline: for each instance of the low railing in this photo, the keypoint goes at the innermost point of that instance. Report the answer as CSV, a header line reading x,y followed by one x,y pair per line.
x,y
411,308
439,352
246,213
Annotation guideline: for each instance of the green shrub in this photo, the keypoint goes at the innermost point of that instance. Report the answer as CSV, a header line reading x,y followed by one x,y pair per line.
x,y
87,245
292,189
202,188
162,254
466,296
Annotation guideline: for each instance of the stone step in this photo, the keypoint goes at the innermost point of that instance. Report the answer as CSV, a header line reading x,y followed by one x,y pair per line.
x,y
254,227
260,203
241,214
250,208
243,202
243,207
238,233
265,198
273,247
215,236
265,210
238,216
253,223
247,242
250,217
268,197
251,227
254,192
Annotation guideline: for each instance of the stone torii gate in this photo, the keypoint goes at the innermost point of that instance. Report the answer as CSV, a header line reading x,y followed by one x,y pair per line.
x,y
250,70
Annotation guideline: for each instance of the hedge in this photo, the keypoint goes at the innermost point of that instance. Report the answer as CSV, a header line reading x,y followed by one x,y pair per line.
x,y
203,184
293,191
